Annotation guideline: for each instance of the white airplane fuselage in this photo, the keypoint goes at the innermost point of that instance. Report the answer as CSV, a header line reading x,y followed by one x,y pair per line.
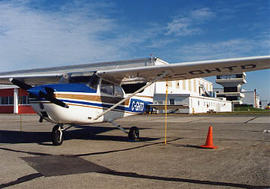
x,y
85,104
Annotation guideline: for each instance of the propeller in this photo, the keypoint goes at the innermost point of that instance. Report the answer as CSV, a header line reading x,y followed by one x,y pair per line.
x,y
48,95
20,84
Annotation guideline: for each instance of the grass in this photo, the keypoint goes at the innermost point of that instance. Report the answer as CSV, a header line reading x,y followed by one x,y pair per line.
x,y
249,109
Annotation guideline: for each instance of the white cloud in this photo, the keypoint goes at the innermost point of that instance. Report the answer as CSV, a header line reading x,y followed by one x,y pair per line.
x,y
223,49
202,14
181,27
36,38
189,24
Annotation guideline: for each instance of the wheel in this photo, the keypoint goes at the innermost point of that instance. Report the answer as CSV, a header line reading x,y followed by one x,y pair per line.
x,y
57,135
133,134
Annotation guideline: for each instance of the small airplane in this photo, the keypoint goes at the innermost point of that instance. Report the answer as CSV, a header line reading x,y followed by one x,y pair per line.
x,y
103,92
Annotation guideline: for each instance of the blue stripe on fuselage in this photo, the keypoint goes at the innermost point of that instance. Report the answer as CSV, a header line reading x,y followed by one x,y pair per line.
x,y
69,87
135,105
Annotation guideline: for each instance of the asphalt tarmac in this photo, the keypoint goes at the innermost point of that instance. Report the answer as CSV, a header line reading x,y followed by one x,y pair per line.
x,y
100,156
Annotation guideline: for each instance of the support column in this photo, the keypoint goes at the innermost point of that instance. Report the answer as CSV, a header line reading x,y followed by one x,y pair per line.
x,y
16,101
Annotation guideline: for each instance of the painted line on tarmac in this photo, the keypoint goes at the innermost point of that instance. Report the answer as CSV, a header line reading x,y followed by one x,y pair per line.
x,y
250,120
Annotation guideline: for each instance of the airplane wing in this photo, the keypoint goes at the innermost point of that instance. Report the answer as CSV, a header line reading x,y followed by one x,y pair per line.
x,y
188,70
54,74
118,74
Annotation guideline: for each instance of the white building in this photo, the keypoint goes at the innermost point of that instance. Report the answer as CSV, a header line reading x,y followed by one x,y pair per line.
x,y
264,104
189,96
232,85
251,98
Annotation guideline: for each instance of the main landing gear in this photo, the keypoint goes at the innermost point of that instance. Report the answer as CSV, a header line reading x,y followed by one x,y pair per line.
x,y
57,135
133,134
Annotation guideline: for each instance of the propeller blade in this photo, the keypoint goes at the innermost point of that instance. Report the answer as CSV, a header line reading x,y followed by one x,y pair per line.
x,y
49,96
20,84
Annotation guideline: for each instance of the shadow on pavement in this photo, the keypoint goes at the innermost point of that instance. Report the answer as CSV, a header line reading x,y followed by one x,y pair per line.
x,y
44,138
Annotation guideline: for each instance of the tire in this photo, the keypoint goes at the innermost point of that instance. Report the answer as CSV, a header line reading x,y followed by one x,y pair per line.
x,y
133,134
57,135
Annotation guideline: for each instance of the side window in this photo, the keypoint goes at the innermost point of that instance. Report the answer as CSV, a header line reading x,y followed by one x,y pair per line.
x,y
131,88
11,100
118,91
93,82
4,100
23,100
107,87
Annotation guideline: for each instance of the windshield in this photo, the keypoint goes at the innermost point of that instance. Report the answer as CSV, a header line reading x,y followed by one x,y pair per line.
x,y
91,81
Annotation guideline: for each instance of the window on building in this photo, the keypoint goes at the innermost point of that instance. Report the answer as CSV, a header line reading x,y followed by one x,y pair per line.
x,y
194,85
177,85
230,89
10,100
169,84
233,76
4,100
184,84
233,98
189,85
23,100
172,101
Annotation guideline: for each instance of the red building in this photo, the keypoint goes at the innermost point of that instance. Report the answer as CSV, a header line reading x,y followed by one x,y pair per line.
x,y
14,100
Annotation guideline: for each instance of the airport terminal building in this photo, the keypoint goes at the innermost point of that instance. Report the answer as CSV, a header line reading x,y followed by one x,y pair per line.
x,y
189,96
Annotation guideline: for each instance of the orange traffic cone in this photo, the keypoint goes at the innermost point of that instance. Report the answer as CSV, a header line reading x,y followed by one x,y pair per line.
x,y
209,140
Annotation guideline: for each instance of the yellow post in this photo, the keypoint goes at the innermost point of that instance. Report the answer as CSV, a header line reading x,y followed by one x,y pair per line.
x,y
20,123
166,115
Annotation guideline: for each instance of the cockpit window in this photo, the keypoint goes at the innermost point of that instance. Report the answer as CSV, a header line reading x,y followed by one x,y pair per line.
x,y
131,88
79,79
94,81
111,89
107,87
91,81
118,91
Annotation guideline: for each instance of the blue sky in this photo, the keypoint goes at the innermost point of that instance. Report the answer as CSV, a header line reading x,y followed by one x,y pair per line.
x,y
54,33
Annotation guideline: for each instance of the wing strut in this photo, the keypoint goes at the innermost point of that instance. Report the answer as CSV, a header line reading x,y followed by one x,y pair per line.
x,y
131,95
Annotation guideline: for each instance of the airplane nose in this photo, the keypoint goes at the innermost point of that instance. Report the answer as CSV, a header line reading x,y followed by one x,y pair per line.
x,y
35,91
47,93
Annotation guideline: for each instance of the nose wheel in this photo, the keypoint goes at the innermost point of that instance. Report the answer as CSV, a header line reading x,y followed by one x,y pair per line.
x,y
57,135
